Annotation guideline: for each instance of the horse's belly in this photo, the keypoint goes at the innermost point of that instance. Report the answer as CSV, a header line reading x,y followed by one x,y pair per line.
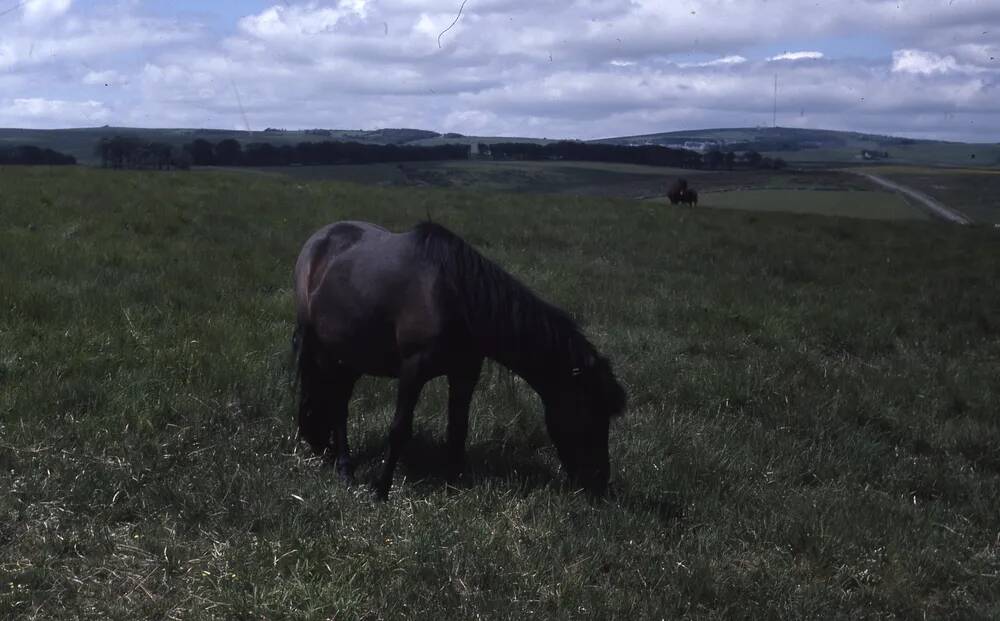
x,y
368,349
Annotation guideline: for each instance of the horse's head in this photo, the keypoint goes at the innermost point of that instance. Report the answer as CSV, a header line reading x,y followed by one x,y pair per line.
x,y
578,412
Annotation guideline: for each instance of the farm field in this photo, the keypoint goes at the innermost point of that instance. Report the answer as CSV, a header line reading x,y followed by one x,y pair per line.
x,y
565,177
812,428
974,192
583,178
871,205
924,153
823,192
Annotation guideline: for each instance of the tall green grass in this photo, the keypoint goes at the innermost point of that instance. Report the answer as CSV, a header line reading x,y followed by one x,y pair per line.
x,y
812,430
869,205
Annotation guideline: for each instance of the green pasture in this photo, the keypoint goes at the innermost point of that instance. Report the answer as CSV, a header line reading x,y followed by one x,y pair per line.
x,y
974,192
812,429
873,205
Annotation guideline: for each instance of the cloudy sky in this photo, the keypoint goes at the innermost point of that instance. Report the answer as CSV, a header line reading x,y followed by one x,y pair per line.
x,y
546,68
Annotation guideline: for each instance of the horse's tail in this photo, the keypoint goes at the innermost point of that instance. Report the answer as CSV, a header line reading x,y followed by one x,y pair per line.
x,y
309,377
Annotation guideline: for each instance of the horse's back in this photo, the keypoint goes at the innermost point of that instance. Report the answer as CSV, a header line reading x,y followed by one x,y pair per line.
x,y
365,293
325,246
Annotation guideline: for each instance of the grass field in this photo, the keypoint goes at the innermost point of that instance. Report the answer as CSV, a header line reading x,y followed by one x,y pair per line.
x,y
606,179
975,193
871,205
812,429
822,192
923,153
581,178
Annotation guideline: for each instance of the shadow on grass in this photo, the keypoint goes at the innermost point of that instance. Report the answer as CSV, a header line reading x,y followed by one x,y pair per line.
x,y
667,508
425,464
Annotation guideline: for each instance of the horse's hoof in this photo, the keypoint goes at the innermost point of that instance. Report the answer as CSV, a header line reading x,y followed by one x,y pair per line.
x,y
380,489
345,472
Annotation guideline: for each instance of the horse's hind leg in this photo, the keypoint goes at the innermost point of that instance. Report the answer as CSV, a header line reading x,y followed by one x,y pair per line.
x,y
341,388
315,400
461,384
411,381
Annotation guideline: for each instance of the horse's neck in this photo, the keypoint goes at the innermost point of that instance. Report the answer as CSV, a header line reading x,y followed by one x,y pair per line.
x,y
540,367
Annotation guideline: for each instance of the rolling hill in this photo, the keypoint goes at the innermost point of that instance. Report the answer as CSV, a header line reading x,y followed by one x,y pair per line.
x,y
807,147
821,146
80,142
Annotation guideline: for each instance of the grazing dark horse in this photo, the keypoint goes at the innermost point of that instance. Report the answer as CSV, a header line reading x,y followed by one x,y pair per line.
x,y
689,197
677,190
421,304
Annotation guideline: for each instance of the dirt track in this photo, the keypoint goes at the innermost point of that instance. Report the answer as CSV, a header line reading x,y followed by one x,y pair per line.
x,y
936,207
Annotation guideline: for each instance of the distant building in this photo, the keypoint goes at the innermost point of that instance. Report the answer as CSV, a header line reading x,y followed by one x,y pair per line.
x,y
699,146
867,154
479,151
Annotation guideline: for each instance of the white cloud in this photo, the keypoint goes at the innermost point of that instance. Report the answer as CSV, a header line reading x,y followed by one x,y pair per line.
x,y
40,112
725,61
76,41
39,11
106,78
926,63
298,20
797,56
583,68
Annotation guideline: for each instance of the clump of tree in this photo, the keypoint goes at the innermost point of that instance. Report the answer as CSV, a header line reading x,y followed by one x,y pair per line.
x,y
231,152
29,155
651,155
133,153
871,154
716,159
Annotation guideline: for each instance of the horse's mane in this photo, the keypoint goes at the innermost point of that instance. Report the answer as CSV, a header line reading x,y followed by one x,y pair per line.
x,y
504,316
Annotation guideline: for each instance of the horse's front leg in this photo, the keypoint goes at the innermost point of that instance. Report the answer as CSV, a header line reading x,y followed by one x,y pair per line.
x,y
411,382
461,384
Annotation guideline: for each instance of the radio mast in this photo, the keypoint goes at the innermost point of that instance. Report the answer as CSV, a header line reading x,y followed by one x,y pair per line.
x,y
774,114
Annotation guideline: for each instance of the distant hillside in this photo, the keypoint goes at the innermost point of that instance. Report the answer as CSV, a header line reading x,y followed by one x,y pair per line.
x,y
824,146
797,146
80,142
463,139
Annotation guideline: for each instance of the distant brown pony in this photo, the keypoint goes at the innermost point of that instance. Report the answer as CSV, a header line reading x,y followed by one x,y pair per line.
x,y
677,190
689,197
424,303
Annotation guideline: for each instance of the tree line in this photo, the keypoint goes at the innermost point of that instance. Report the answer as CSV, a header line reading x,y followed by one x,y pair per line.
x,y
132,152
715,160
33,156
230,152
650,155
